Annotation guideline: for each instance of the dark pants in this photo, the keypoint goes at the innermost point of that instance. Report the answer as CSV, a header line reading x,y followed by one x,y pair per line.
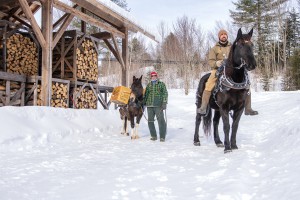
x,y
152,112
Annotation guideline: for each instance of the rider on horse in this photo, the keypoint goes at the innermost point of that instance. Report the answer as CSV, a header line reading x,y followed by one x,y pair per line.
x,y
216,59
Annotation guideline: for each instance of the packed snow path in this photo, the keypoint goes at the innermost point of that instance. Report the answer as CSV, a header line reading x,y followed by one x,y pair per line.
x,y
48,153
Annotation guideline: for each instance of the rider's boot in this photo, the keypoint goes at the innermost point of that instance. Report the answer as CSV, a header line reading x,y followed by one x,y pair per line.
x,y
248,109
205,100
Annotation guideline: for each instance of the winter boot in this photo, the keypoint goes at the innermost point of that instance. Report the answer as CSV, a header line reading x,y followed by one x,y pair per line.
x,y
205,100
248,109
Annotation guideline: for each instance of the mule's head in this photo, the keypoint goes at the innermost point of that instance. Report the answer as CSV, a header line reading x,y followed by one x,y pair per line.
x,y
243,51
136,88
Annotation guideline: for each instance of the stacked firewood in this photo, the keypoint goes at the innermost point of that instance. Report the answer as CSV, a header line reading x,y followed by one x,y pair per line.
x,y
86,99
59,97
22,55
87,61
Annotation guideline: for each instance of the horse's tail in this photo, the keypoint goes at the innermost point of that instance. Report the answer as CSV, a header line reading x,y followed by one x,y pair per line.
x,y
207,122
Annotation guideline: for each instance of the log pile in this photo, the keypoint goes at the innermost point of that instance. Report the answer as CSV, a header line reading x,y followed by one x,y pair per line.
x,y
87,61
75,57
60,95
59,99
22,55
86,99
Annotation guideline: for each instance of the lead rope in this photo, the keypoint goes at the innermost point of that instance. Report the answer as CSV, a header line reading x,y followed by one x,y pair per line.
x,y
156,116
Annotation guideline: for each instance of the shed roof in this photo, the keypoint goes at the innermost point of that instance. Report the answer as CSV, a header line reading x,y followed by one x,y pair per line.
x,y
11,10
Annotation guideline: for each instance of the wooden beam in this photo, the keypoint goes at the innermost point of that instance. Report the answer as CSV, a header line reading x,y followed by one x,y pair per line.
x,y
47,21
111,48
111,16
102,11
62,29
118,52
102,35
64,7
22,21
59,21
29,15
125,56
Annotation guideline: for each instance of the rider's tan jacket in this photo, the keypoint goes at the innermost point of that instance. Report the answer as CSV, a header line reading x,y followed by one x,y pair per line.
x,y
216,53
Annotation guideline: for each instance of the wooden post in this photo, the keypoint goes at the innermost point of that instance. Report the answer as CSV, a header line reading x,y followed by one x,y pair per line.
x,y
83,23
47,21
125,56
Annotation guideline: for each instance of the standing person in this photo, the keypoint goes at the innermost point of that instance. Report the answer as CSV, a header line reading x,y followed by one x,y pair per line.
x,y
156,99
216,57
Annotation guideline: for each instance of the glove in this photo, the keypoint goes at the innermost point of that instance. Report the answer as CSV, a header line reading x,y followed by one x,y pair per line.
x,y
219,63
164,106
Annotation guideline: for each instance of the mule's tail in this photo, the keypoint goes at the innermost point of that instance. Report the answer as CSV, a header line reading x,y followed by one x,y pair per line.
x,y
207,122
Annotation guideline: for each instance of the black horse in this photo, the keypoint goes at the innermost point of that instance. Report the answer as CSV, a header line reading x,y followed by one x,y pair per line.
x,y
133,110
229,94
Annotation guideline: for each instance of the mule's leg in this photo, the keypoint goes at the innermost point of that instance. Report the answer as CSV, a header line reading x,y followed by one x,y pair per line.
x,y
226,129
126,126
133,134
235,124
196,135
216,121
138,119
123,131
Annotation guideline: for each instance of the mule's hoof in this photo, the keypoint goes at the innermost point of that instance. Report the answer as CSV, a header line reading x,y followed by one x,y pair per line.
x,y
197,144
127,134
220,145
234,147
135,137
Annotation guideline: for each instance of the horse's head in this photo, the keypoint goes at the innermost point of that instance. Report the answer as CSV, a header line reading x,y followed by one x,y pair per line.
x,y
136,88
243,51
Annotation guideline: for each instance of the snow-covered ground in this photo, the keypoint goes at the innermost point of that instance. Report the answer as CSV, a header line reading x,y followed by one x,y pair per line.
x,y
48,154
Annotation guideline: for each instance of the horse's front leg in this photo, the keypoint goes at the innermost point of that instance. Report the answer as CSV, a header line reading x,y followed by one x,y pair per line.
x,y
235,124
216,121
226,129
196,135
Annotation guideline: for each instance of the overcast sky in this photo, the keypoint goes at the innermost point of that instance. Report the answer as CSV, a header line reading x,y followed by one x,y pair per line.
x,y
149,13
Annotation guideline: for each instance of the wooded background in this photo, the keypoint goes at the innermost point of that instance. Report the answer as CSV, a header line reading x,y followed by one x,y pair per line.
x,y
180,57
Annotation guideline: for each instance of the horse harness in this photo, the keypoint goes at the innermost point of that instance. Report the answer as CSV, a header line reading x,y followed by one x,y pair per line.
x,y
225,83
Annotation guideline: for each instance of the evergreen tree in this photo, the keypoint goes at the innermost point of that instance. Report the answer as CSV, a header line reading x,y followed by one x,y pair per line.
x,y
262,15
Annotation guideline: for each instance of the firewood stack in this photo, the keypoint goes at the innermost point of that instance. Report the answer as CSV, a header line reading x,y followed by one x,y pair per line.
x,y
86,99
87,61
22,56
59,97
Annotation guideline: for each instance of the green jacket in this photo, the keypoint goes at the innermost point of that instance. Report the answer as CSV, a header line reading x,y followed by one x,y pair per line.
x,y
156,94
216,53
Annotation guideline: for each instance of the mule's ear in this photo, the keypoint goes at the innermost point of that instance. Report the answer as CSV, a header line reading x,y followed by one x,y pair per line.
x,y
239,34
251,32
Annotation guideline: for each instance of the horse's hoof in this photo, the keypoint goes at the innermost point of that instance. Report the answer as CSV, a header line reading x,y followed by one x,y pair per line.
x,y
197,144
220,145
234,147
227,150
127,134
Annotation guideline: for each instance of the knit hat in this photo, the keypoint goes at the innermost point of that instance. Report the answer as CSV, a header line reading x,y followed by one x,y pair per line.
x,y
153,73
222,31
